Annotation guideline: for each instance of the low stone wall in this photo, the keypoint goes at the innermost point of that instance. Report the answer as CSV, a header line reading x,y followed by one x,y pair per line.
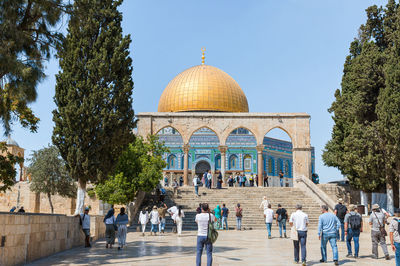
x,y
27,237
336,191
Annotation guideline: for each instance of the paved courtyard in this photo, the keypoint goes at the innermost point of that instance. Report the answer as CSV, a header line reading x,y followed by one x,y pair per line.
x,y
231,248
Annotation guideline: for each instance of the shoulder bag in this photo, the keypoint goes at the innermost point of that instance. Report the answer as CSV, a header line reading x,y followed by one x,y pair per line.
x,y
212,234
381,227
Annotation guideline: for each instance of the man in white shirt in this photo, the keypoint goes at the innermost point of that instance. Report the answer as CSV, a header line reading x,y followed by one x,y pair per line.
x,y
300,221
269,217
196,184
85,222
202,220
209,178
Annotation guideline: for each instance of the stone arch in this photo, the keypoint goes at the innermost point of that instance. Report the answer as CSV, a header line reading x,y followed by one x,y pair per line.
x,y
228,132
285,130
200,162
190,135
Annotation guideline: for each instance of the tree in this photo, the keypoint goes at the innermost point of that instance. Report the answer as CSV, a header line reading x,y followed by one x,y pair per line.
x,y
27,35
94,118
49,175
139,169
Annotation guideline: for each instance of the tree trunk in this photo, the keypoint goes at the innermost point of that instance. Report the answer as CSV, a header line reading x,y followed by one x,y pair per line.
x,y
51,203
389,197
364,201
80,199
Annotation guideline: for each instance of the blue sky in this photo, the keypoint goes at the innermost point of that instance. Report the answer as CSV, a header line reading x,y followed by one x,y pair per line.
x,y
286,55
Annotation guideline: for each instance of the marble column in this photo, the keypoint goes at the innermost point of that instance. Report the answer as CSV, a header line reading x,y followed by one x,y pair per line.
x,y
186,164
223,150
260,165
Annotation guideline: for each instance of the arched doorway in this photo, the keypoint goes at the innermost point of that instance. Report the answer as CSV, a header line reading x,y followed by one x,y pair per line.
x,y
201,167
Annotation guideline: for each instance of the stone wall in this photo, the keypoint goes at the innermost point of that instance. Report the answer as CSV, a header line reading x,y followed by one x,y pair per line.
x,y
336,191
27,237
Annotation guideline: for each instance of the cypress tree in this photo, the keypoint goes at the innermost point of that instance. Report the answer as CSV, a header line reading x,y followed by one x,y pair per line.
x,y
94,116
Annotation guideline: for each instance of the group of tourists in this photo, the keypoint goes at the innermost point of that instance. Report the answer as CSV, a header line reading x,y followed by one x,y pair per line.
x,y
348,221
13,209
157,218
221,216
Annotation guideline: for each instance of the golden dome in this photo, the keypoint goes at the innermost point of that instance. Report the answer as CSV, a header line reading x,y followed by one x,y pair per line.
x,y
203,88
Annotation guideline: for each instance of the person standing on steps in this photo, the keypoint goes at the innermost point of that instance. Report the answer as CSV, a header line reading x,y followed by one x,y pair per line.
x,y
198,210
264,203
256,180
205,179
162,211
281,218
121,222
225,212
175,186
281,178
353,226
328,225
196,182
217,214
269,217
394,233
165,181
300,221
340,212
209,179
251,180
143,220
239,215
155,220
230,181
202,221
109,220
266,180
377,221
178,219
181,181
219,181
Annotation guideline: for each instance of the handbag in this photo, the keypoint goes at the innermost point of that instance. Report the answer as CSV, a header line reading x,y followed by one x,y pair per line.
x,y
212,234
381,228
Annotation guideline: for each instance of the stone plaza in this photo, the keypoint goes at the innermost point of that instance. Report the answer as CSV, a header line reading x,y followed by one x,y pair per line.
x,y
250,247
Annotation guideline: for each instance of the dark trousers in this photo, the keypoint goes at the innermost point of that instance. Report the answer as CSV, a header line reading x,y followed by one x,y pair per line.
x,y
300,244
266,183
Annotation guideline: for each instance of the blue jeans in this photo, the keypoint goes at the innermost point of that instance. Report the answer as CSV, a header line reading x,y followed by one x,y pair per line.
x,y
282,225
201,242
269,226
281,181
302,236
196,190
225,222
397,253
238,223
353,234
154,228
332,241
341,229
161,226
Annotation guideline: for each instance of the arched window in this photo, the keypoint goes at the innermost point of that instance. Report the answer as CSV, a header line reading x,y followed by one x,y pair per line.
x,y
218,162
247,162
271,166
172,162
233,162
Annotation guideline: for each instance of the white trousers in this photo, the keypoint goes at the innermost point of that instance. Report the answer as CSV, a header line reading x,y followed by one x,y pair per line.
x,y
143,228
179,223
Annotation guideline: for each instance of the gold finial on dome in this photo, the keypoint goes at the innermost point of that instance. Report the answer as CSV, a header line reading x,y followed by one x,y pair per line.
x,y
203,49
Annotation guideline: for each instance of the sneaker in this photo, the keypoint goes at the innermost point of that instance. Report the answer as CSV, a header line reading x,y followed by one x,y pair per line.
x,y
374,257
269,237
356,256
349,256
285,235
280,236
321,260
387,257
336,262
303,263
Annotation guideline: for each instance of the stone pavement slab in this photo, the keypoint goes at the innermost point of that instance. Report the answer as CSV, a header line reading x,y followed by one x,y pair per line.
x,y
232,248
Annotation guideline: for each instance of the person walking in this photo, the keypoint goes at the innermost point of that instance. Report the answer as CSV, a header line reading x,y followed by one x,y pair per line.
x,y
377,221
162,211
230,181
340,212
300,221
203,219
281,218
225,212
163,193
85,223
178,219
266,181
209,179
281,178
196,182
394,235
109,220
239,215
181,181
264,203
218,214
251,180
353,226
121,221
155,220
175,186
219,181
165,181
205,179
328,225
269,217
143,220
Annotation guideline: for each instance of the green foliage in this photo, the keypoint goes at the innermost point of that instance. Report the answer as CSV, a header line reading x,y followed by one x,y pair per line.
x,y
139,169
7,169
49,175
91,192
94,116
365,144
27,36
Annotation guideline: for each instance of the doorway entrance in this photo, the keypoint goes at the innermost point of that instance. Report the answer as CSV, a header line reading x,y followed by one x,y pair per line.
x,y
202,167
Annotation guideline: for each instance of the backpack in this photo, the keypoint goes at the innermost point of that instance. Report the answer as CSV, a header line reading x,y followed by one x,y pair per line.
x,y
238,212
282,215
162,191
355,222
341,212
212,234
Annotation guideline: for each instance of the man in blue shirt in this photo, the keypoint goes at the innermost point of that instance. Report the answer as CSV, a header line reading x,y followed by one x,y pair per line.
x,y
225,212
328,226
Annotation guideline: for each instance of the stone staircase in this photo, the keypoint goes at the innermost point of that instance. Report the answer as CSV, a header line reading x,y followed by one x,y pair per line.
x,y
249,199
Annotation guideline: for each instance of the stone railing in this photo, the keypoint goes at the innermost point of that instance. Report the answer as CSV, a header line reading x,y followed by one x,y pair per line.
x,y
314,191
25,237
